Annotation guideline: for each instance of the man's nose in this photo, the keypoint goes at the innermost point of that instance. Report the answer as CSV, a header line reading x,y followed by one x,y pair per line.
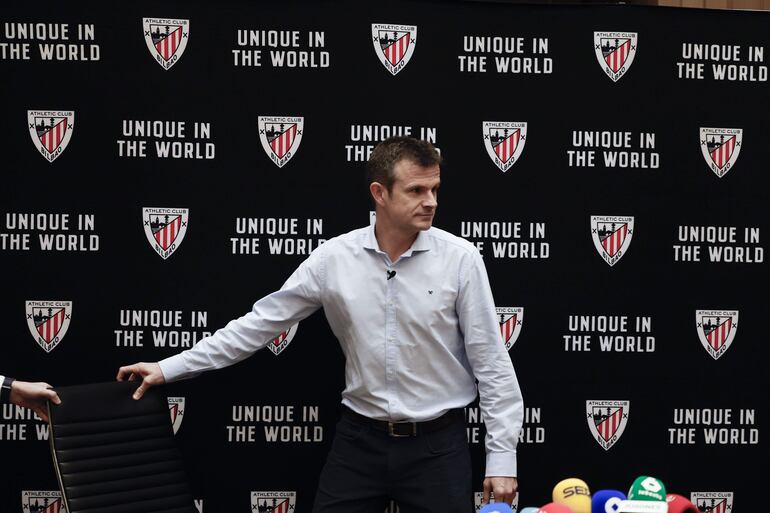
x,y
430,201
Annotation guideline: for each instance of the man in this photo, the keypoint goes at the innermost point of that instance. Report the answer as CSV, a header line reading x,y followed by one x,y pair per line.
x,y
29,395
414,314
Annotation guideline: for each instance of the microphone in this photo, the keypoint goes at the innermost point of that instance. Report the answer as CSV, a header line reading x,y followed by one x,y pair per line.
x,y
391,274
554,507
607,501
679,504
646,495
574,494
495,507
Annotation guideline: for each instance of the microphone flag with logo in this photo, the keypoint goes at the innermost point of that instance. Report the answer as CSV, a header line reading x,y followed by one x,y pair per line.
x,y
574,494
646,495
679,504
607,501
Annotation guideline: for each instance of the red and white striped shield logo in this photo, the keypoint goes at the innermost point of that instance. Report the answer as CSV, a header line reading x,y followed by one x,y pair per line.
x,y
48,322
273,502
612,236
511,320
280,342
720,148
716,330
615,52
280,137
712,502
42,501
394,44
166,39
504,141
165,228
607,420
51,131
176,410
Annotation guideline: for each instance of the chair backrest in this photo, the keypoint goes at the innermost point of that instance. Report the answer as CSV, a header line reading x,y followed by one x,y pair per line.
x,y
113,454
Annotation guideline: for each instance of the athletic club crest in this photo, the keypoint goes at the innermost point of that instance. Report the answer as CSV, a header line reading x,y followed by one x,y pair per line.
x,y
280,342
280,137
478,497
165,228
720,148
612,236
42,502
176,409
48,322
166,39
712,502
273,502
511,320
51,131
716,330
615,52
394,44
607,420
504,141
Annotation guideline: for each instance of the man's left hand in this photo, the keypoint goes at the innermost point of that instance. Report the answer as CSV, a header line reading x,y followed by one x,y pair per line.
x,y
503,489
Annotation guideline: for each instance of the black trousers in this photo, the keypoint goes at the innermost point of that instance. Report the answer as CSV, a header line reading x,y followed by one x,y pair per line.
x,y
428,473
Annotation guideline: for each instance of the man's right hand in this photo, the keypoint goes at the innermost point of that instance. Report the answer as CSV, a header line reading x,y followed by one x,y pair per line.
x,y
149,372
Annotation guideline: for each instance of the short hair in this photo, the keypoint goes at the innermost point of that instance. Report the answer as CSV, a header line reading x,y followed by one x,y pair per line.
x,y
381,165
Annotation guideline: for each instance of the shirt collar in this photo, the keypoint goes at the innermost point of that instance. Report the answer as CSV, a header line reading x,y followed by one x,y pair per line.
x,y
421,243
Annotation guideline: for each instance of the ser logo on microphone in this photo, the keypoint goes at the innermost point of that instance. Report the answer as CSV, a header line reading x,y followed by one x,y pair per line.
x,y
576,490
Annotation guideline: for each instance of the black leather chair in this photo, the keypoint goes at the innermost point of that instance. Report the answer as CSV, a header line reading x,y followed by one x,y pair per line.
x,y
116,455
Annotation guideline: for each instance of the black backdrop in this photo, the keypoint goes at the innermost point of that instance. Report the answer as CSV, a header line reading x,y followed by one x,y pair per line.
x,y
676,390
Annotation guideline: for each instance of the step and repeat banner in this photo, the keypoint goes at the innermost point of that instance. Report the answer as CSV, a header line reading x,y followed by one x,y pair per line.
x,y
167,164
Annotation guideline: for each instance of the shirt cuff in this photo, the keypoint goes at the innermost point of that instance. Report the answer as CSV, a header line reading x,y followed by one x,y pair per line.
x,y
173,368
501,464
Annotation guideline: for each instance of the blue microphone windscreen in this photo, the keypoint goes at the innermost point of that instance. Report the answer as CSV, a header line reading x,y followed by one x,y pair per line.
x,y
607,501
496,507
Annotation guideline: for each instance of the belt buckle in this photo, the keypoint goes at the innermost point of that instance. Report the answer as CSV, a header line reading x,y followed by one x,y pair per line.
x,y
392,433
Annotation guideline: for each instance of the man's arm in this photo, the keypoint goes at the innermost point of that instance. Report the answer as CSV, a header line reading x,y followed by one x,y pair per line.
x,y
29,395
299,297
500,398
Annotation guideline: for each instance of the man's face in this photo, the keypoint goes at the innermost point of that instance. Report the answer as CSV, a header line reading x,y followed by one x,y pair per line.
x,y
411,203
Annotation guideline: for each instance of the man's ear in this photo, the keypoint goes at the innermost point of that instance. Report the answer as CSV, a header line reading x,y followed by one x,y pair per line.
x,y
378,191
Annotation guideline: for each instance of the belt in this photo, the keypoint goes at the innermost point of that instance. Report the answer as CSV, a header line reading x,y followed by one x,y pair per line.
x,y
405,429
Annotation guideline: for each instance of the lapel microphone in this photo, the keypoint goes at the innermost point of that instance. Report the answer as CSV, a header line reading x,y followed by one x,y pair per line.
x,y
391,274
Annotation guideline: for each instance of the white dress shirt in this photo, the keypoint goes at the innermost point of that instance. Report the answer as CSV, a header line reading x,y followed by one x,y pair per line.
x,y
414,344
